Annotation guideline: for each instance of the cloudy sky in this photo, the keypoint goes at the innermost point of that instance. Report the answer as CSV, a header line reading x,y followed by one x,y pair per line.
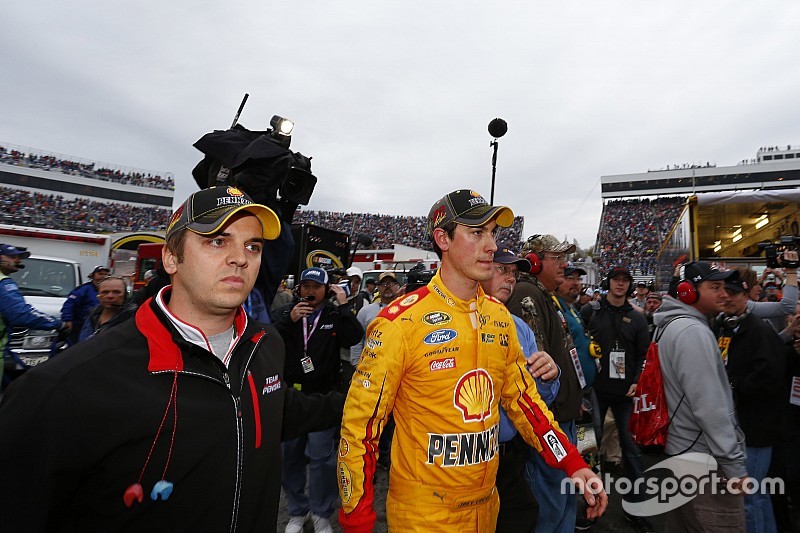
x,y
392,98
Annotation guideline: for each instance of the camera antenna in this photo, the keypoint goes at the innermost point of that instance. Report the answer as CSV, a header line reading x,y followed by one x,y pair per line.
x,y
224,172
241,106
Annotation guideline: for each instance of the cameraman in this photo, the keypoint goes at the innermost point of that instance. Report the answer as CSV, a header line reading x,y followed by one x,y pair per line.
x,y
314,329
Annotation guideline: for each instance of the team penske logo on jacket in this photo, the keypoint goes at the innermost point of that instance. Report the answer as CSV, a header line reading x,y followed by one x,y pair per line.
x,y
436,317
463,449
440,336
271,384
474,395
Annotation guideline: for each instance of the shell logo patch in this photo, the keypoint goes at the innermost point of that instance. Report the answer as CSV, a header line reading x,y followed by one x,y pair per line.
x,y
474,395
344,447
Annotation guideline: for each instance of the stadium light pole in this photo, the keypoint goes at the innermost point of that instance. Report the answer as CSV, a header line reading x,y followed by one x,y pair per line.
x,y
497,128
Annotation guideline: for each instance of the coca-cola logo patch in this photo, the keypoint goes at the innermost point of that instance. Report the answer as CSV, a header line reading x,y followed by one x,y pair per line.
x,y
443,364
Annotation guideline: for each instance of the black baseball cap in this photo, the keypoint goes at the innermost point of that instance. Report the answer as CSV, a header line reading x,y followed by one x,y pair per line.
x,y
206,211
620,271
572,269
469,209
507,256
735,283
699,271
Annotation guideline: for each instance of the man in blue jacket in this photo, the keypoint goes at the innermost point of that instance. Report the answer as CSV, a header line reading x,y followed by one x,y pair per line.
x,y
14,310
80,301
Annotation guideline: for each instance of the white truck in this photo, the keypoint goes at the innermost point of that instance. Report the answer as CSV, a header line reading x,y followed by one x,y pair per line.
x,y
59,262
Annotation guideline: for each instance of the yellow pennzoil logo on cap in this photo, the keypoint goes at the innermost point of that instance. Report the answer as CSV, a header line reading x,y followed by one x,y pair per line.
x,y
474,394
233,191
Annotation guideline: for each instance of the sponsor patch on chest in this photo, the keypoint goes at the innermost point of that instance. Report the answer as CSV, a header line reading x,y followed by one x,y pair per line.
x,y
271,384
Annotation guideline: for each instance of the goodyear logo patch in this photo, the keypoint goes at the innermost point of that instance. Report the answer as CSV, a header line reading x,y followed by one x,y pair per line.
x,y
442,350
436,317
440,336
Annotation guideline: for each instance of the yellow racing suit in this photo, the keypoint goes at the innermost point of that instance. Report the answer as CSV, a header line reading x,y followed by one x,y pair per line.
x,y
441,365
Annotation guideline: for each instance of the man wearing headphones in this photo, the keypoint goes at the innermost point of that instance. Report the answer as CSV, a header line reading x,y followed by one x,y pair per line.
x,y
621,332
701,409
112,310
535,302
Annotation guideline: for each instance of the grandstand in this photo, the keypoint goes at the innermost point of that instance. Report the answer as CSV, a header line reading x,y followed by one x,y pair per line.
x,y
42,189
387,230
641,211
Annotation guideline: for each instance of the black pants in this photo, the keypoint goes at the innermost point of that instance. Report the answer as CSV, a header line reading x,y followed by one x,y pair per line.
x,y
518,508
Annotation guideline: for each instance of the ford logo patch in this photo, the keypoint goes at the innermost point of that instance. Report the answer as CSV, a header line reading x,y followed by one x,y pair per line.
x,y
440,335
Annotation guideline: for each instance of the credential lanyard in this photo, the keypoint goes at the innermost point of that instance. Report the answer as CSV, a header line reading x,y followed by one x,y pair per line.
x,y
308,332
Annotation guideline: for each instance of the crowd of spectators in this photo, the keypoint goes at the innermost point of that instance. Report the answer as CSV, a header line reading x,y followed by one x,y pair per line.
x,y
632,231
26,208
386,230
85,170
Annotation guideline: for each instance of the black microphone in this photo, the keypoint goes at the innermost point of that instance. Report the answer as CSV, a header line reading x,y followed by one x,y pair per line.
x,y
498,127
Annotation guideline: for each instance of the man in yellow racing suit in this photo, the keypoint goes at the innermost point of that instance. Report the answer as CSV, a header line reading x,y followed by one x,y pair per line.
x,y
441,359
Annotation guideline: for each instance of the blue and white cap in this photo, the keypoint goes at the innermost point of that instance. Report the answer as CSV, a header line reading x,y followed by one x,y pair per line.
x,y
314,274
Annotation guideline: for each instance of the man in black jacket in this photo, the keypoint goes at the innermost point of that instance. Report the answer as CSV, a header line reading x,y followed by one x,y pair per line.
x,y
314,330
173,422
621,331
755,364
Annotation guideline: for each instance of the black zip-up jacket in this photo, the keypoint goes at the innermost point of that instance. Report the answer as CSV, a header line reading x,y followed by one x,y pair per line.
x,y
624,327
337,328
77,432
756,370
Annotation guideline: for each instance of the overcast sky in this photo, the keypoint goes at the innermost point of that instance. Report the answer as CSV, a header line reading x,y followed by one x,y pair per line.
x,y
392,98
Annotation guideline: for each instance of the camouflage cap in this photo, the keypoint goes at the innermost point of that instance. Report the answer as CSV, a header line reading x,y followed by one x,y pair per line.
x,y
546,243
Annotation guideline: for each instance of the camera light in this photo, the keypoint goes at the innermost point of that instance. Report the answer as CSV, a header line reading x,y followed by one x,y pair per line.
x,y
282,126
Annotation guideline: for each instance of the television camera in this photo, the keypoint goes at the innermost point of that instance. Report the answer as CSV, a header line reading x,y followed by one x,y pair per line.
x,y
781,254
258,162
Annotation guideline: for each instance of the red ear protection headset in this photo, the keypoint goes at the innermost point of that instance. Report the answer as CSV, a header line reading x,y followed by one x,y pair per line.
x,y
535,258
686,290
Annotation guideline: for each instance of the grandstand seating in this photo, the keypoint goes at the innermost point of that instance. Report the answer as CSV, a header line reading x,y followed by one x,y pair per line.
x,y
632,231
25,208
85,169
388,229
